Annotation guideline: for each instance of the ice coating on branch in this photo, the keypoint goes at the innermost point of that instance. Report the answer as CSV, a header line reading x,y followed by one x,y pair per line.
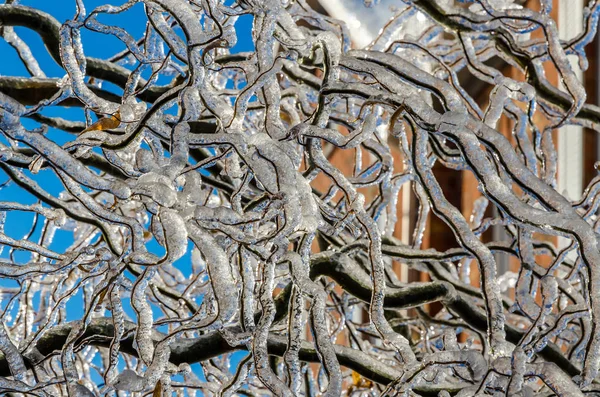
x,y
219,272
131,110
283,201
128,380
143,336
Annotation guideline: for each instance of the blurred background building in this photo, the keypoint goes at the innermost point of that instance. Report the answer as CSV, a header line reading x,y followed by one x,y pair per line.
x,y
578,149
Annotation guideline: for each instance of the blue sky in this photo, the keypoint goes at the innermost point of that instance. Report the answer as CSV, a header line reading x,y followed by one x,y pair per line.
x,y
97,45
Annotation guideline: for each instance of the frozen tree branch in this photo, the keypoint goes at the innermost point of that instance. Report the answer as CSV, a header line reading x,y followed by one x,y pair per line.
x,y
212,202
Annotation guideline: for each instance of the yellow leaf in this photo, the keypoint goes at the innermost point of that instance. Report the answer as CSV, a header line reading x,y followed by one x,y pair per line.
x,y
355,378
105,123
358,381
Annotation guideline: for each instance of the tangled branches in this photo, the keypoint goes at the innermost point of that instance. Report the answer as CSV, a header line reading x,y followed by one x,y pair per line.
x,y
223,161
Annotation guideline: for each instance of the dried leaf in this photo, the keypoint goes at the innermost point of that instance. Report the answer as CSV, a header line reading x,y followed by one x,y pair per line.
x,y
147,236
102,296
105,123
285,116
157,389
36,164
